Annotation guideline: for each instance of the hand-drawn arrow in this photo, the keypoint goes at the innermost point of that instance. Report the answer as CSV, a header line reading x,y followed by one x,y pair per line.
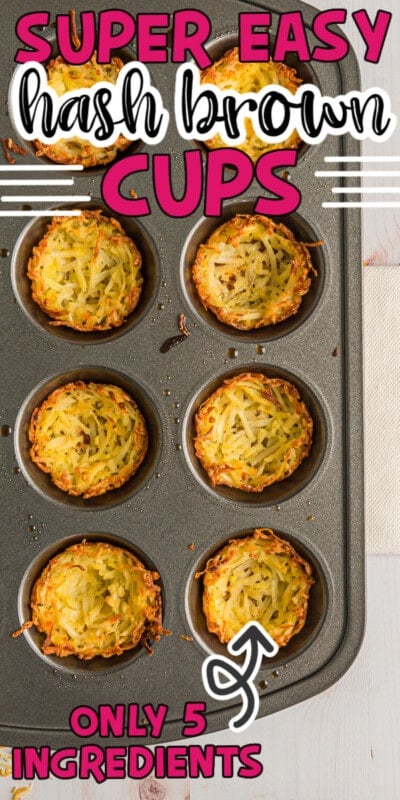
x,y
223,679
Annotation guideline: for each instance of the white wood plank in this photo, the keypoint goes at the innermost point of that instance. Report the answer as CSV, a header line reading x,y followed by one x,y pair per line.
x,y
74,789
382,407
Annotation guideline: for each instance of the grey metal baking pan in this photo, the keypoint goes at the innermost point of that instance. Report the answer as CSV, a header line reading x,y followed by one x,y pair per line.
x,y
170,505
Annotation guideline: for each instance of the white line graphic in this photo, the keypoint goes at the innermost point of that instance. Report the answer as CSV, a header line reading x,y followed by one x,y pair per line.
x,y
76,212
40,168
35,182
45,198
366,190
354,173
12,169
362,204
361,159
362,173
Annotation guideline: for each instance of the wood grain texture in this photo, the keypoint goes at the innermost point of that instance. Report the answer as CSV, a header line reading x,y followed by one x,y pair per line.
x,y
382,408
54,789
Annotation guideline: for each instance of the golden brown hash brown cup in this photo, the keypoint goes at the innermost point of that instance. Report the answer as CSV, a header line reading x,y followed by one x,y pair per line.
x,y
89,437
96,599
63,77
252,432
86,272
230,73
251,272
258,578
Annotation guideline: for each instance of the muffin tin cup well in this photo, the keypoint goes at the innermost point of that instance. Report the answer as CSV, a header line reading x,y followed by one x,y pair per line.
x,y
317,606
126,55
35,639
303,232
41,482
31,236
281,490
221,44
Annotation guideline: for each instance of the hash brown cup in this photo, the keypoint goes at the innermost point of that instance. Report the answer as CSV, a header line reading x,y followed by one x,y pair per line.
x,y
85,272
95,599
63,77
252,272
230,73
251,432
256,578
89,437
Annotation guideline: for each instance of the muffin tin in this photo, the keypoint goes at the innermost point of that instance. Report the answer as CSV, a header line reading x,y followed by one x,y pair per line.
x,y
168,514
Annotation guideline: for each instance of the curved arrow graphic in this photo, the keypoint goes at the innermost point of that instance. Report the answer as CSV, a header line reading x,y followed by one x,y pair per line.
x,y
223,679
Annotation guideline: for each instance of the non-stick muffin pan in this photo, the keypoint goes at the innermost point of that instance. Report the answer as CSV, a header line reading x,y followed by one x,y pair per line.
x,y
168,513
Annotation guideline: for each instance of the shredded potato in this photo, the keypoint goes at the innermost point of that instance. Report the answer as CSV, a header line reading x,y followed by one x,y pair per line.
x,y
63,77
95,599
5,762
252,432
89,437
20,791
230,73
86,272
252,272
261,578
